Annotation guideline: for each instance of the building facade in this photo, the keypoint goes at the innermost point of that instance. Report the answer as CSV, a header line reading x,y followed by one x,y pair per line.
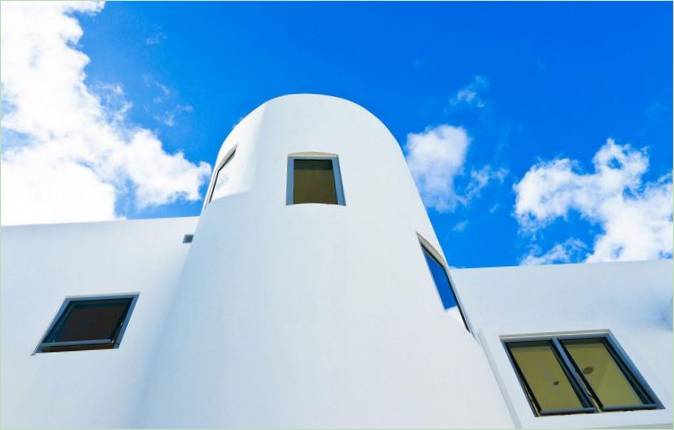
x,y
313,292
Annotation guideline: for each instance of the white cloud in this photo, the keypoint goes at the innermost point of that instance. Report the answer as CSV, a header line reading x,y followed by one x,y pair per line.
x,y
460,226
166,96
480,178
635,216
164,91
471,94
155,39
169,118
564,252
68,153
436,157
37,188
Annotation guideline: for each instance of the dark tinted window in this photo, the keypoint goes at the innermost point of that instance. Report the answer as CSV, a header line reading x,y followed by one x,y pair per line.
x,y
314,181
88,324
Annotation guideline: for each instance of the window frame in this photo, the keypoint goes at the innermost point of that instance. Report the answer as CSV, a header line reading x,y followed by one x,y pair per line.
x,y
578,382
426,246
634,378
565,366
336,172
225,160
60,314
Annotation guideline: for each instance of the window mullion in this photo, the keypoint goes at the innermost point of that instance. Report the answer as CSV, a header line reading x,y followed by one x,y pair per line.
x,y
584,391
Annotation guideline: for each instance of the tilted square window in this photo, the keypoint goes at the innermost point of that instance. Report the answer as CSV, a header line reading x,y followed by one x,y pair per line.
x,y
91,323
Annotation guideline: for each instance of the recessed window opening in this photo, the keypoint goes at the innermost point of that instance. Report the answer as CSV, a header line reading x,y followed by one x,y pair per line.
x,y
88,323
578,374
314,179
221,178
442,283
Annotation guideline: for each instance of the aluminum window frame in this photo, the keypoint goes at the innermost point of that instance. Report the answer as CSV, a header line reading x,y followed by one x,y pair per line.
x,y
115,343
629,370
576,378
538,411
336,172
426,246
225,160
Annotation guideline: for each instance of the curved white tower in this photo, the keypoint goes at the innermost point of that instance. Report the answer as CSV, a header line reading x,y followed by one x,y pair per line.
x,y
320,315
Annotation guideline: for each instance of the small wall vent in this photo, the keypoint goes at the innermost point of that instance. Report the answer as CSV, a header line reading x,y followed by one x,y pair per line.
x,y
188,238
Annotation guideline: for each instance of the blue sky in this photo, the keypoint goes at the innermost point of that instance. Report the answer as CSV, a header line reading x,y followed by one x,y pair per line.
x,y
522,86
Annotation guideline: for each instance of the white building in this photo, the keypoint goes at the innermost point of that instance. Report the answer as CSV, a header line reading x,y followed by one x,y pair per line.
x,y
315,294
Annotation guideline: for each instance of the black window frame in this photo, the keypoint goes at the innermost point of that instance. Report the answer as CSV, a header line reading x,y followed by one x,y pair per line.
x,y
592,403
585,401
649,401
91,344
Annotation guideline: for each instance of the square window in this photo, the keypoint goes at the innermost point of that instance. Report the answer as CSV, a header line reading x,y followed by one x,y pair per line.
x,y
314,180
96,323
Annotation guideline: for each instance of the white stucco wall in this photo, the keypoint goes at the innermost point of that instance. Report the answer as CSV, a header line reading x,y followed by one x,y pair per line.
x,y
304,315
316,315
40,267
626,299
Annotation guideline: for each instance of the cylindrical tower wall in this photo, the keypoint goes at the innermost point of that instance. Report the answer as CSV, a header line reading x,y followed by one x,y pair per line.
x,y
315,314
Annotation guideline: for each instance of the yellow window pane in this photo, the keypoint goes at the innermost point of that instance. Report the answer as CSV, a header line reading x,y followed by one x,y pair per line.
x,y
602,373
545,377
314,182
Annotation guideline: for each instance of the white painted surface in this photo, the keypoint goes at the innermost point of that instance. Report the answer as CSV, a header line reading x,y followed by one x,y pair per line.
x,y
667,312
302,316
626,299
44,264
316,315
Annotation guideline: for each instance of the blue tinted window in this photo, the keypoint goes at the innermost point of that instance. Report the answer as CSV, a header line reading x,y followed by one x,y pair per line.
x,y
442,283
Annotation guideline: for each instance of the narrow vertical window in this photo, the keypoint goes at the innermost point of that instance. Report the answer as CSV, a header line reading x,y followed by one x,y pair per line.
x,y
442,284
96,323
221,178
314,180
